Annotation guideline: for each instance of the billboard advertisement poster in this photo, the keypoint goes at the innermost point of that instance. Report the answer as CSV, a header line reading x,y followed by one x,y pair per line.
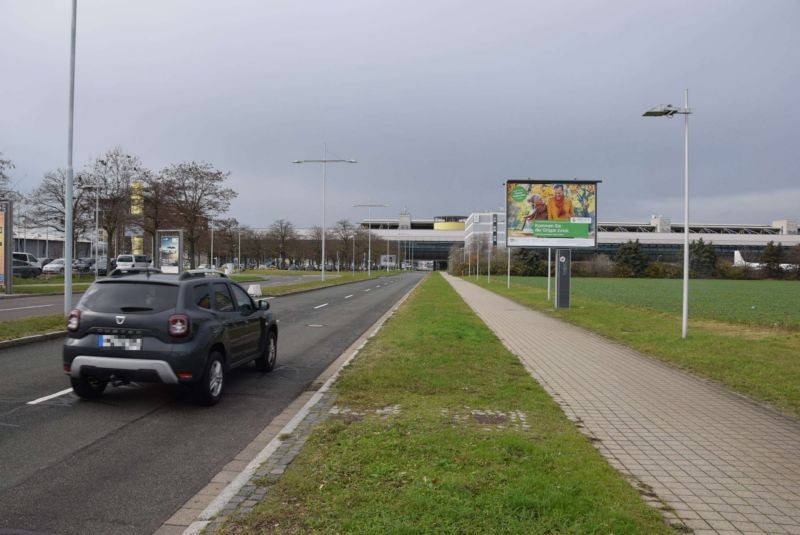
x,y
388,260
169,254
543,213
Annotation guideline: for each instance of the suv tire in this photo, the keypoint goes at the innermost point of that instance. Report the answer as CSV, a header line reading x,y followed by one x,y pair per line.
x,y
266,361
88,387
209,389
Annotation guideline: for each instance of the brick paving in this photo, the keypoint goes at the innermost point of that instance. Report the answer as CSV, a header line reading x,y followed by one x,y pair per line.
x,y
720,462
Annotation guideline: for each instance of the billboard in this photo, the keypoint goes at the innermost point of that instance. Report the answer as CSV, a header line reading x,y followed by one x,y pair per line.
x,y
388,260
545,213
169,254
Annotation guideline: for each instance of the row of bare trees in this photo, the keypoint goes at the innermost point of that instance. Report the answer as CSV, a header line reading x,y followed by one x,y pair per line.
x,y
282,244
122,194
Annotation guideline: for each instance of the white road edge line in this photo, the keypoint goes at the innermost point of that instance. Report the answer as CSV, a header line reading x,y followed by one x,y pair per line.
x,y
24,308
51,396
244,476
320,306
348,296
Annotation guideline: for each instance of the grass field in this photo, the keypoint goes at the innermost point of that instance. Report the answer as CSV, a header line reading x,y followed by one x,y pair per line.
x,y
754,354
442,463
757,302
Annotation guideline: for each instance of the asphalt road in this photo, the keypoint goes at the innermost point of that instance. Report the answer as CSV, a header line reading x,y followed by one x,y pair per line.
x,y
126,463
42,305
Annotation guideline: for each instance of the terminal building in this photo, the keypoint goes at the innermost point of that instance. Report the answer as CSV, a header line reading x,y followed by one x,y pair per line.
x,y
430,240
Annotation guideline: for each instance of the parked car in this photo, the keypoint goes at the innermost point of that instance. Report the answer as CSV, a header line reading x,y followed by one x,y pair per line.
x,y
25,270
44,261
56,266
129,261
27,257
189,329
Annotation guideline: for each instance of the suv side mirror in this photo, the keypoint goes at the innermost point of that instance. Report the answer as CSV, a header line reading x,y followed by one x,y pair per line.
x,y
263,304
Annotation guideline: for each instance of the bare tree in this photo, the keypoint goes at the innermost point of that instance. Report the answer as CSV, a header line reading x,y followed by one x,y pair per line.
x,y
48,202
114,172
282,233
5,179
197,193
158,213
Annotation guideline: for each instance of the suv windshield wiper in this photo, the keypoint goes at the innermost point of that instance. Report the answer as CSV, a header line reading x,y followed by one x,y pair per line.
x,y
135,309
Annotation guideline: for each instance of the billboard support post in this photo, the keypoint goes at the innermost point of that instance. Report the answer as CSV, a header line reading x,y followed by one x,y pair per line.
x,y
548,273
563,272
7,246
508,280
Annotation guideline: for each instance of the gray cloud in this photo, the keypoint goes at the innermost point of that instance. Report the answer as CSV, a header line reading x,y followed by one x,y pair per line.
x,y
439,101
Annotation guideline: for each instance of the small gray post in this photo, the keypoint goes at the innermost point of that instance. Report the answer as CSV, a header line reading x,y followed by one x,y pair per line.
x,y
563,264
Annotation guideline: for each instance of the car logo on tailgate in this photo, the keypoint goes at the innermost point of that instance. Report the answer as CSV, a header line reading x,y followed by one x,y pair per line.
x,y
120,320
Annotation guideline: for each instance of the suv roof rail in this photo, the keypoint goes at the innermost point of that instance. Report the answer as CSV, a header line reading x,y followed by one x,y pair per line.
x,y
201,273
121,272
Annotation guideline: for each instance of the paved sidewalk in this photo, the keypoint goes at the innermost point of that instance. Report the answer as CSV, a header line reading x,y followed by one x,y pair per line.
x,y
722,462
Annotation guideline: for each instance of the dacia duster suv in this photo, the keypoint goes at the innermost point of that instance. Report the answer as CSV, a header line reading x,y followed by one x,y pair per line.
x,y
144,326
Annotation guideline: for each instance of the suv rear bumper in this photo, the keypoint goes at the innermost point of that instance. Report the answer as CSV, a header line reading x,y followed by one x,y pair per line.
x,y
132,369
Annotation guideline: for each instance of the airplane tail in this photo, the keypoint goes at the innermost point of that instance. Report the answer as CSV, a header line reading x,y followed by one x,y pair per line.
x,y
738,260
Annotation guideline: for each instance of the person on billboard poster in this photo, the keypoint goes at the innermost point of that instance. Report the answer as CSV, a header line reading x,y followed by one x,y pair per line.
x,y
559,207
538,208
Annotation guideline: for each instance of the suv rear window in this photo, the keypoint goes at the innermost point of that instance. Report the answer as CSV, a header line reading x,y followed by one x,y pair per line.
x,y
141,258
124,258
130,297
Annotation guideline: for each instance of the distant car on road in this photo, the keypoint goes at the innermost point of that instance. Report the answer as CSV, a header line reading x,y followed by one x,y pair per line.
x,y
145,326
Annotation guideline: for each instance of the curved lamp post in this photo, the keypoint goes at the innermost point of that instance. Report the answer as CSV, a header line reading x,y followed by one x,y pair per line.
x,y
670,111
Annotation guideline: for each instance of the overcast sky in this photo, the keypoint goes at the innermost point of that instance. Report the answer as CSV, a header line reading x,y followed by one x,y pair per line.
x,y
439,101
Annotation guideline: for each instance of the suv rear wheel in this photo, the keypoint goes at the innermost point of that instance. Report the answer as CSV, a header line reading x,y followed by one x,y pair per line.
x,y
209,388
266,361
88,387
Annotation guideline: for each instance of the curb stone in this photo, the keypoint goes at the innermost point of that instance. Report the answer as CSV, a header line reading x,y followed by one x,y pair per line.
x,y
25,340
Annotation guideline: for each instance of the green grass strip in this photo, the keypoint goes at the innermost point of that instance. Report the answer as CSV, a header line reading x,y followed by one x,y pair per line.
x,y
758,361
436,466
11,329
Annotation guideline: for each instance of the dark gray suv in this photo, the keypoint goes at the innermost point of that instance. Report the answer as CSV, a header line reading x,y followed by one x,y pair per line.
x,y
144,326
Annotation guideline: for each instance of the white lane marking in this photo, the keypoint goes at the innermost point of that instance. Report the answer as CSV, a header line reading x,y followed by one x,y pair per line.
x,y
348,296
315,325
24,308
378,286
51,396
320,306
368,289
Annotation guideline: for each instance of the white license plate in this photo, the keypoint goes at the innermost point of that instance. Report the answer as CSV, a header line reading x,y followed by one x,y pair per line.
x,y
124,342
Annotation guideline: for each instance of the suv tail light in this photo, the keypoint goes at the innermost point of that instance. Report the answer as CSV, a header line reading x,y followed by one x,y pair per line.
x,y
73,320
179,325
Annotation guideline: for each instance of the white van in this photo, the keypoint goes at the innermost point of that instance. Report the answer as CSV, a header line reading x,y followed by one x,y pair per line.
x,y
131,261
27,257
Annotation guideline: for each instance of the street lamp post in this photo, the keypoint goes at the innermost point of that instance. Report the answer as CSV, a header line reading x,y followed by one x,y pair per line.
x,y
324,161
670,111
68,193
213,264
369,232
